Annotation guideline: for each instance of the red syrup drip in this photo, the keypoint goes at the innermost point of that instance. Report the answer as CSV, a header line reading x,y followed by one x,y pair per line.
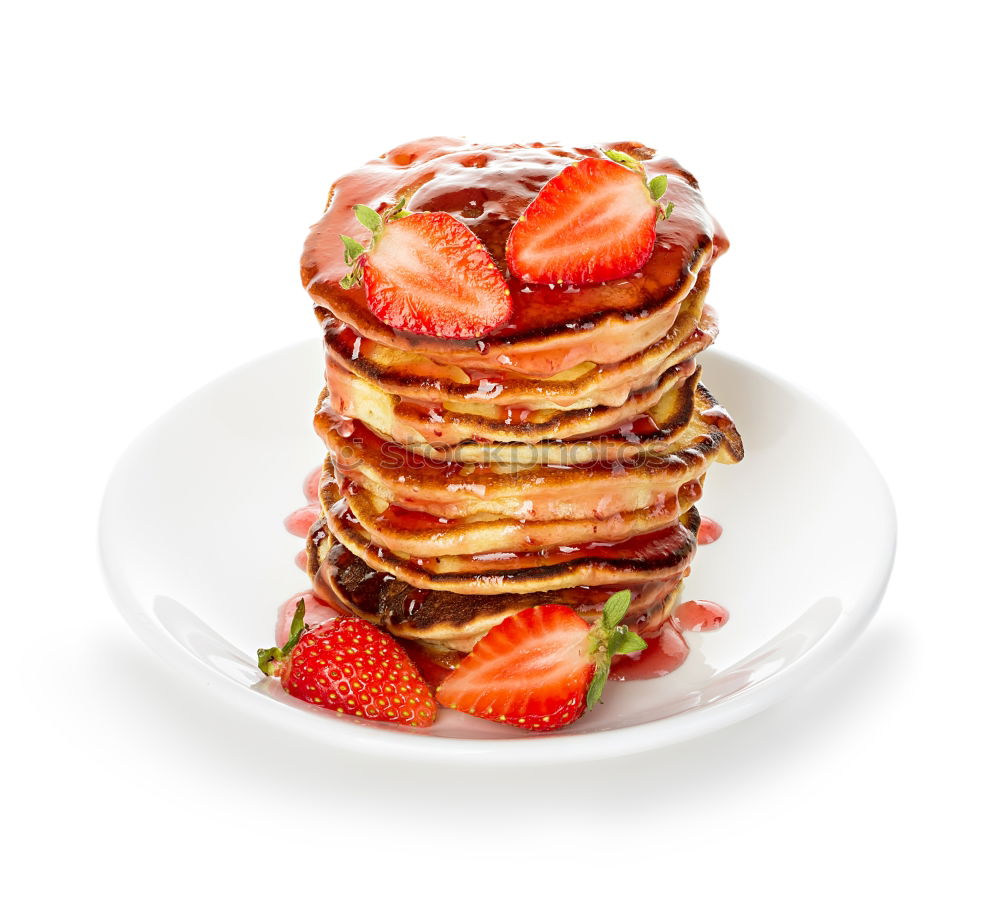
x,y
431,669
700,616
310,486
709,532
409,520
300,520
317,611
668,650
664,654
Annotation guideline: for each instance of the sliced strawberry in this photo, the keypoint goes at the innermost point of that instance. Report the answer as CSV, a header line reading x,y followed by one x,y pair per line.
x,y
594,221
540,669
428,274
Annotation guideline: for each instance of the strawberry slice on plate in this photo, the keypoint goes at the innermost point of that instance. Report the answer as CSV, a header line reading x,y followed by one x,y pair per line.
x,y
427,273
540,669
595,221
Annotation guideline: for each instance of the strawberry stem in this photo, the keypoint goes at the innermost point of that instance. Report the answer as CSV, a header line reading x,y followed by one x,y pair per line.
x,y
375,223
608,637
269,659
657,187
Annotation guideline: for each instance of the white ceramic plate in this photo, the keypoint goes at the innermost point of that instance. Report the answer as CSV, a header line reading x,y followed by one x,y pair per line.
x,y
198,561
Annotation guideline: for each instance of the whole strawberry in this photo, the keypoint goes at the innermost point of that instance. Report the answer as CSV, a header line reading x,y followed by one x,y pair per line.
x,y
349,666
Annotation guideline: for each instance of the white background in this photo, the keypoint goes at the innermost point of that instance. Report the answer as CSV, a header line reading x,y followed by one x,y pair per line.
x,y
162,164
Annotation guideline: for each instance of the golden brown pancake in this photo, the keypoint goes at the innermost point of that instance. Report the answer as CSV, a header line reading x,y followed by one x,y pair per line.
x,y
445,621
654,430
655,555
414,376
422,535
445,489
419,422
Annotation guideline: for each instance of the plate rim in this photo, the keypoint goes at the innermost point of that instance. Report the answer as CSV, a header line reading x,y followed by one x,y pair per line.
x,y
553,748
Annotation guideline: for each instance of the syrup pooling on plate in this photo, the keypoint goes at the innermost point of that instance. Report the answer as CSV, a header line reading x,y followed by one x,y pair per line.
x,y
668,649
665,652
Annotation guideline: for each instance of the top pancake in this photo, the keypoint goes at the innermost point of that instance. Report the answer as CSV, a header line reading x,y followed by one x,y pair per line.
x,y
552,329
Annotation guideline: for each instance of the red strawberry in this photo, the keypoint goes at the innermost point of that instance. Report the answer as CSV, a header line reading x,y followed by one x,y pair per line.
x,y
348,665
427,273
540,669
594,221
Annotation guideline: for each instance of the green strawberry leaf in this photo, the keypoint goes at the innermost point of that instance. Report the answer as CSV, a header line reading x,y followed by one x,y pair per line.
x,y
658,186
624,159
352,249
368,218
615,609
297,628
268,658
631,642
597,685
396,211
610,638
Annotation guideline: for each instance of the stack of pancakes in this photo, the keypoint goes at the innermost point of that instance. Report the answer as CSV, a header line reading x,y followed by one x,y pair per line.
x,y
557,460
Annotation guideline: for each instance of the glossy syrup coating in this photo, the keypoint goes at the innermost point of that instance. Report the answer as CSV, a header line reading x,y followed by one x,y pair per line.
x,y
488,188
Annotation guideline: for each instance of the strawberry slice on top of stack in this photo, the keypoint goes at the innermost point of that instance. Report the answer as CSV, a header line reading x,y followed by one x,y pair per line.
x,y
594,222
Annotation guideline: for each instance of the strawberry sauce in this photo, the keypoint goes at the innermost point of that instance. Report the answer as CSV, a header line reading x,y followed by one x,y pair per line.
x,y
317,611
700,616
668,650
300,520
433,668
709,531
310,485
663,655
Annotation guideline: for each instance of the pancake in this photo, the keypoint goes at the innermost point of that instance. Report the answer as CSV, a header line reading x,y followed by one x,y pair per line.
x,y
423,535
653,430
449,423
538,492
659,554
552,329
444,621
416,377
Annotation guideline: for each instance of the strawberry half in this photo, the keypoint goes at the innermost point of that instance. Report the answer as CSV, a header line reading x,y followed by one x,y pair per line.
x,y
594,221
427,273
349,666
540,669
